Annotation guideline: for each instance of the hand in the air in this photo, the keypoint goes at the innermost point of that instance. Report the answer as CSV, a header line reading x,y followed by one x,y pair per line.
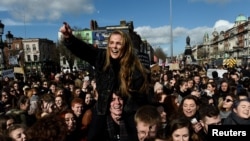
x,y
66,30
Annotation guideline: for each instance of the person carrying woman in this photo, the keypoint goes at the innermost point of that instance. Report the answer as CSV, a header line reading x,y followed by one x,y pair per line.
x,y
117,68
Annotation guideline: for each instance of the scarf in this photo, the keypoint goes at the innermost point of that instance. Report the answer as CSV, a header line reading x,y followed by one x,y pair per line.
x,y
116,135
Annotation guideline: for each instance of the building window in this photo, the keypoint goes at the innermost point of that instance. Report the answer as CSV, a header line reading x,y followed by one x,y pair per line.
x,y
17,47
27,47
34,47
35,58
28,58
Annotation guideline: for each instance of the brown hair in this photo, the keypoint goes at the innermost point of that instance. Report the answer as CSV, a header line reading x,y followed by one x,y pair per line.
x,y
129,63
148,114
171,107
48,128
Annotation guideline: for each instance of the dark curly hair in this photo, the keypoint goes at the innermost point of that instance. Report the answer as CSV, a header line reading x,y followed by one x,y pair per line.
x,y
48,128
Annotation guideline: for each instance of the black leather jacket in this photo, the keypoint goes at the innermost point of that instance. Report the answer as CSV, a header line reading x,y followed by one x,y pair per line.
x,y
107,81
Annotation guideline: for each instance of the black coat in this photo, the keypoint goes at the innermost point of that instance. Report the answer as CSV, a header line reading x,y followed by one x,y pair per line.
x,y
233,119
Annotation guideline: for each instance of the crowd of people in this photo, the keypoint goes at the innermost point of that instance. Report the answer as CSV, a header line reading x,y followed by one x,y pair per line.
x,y
120,100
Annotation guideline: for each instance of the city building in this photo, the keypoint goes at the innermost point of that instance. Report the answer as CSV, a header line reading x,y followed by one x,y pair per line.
x,y
233,43
40,55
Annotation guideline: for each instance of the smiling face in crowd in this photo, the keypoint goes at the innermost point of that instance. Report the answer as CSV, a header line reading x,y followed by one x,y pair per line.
x,y
243,109
115,46
189,107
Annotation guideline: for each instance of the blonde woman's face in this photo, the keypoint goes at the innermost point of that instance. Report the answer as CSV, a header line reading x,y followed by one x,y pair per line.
x,y
227,102
115,46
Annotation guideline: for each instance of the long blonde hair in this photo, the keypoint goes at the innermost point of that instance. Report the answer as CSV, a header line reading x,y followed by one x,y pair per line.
x,y
128,62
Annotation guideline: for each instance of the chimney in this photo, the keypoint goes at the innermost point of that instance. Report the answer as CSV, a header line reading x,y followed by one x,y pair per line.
x,y
122,23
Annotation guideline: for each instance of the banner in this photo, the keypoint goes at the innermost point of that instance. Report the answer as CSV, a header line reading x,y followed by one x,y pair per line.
x,y
220,72
13,60
8,73
144,58
18,70
174,66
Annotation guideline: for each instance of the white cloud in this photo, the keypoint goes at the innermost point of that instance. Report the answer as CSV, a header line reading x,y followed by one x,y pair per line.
x,y
12,22
156,36
46,9
223,25
160,36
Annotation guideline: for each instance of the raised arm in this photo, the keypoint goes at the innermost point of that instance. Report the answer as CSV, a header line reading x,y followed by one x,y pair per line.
x,y
78,47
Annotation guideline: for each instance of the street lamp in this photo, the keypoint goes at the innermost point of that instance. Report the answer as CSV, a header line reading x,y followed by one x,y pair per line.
x,y
9,40
1,33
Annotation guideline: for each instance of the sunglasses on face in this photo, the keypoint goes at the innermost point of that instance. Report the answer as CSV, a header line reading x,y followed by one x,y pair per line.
x,y
227,100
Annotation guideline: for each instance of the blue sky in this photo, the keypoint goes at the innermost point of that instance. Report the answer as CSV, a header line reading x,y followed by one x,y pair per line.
x,y
151,18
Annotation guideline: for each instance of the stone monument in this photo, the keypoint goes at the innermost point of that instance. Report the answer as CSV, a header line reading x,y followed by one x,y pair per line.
x,y
188,57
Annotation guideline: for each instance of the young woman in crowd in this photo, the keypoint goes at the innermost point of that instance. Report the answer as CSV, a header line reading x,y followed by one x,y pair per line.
x,y
161,134
45,106
77,93
69,118
224,88
213,92
226,105
49,128
17,132
171,104
21,112
60,104
188,108
164,79
204,81
180,129
5,101
182,89
5,122
88,101
190,84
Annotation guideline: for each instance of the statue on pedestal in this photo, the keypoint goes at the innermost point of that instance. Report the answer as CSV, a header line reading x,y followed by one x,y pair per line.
x,y
188,58
188,40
